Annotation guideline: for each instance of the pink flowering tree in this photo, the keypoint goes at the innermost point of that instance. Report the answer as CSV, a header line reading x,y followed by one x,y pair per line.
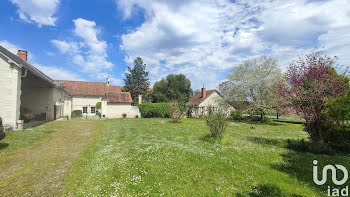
x,y
310,82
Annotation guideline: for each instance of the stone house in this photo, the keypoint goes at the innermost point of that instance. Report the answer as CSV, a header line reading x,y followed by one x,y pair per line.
x,y
85,95
205,102
24,89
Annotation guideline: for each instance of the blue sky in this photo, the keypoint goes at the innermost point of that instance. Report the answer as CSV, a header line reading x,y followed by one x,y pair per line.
x,y
90,40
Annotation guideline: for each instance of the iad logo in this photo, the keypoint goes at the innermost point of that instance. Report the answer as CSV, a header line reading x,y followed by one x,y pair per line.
x,y
331,191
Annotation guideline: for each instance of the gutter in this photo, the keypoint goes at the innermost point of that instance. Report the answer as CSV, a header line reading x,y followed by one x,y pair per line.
x,y
10,61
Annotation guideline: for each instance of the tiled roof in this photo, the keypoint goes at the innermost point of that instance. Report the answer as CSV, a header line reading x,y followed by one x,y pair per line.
x,y
119,97
197,99
86,88
112,93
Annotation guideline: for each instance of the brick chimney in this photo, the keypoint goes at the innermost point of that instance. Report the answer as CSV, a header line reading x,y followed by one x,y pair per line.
x,y
23,54
204,92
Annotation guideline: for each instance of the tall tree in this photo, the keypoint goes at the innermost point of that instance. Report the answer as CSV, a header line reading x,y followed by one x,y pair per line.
x,y
310,82
252,82
136,80
176,87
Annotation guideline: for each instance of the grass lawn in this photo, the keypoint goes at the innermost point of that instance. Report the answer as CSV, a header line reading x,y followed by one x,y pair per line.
x,y
153,157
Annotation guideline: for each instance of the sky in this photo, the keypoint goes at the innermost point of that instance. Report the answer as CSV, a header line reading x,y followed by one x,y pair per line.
x,y
91,40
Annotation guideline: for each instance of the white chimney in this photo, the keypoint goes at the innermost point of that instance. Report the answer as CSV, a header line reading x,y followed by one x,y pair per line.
x,y
107,81
140,98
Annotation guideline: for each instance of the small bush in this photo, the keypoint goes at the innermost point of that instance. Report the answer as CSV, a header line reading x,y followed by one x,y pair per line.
x,y
98,105
153,110
217,124
254,118
177,111
309,146
338,109
124,115
337,136
77,113
136,116
335,125
236,115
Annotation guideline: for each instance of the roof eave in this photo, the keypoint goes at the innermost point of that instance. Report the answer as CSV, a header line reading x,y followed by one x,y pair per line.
x,y
10,61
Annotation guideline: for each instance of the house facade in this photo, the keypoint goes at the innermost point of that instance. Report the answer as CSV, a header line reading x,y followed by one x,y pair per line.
x,y
85,95
27,94
206,102
26,90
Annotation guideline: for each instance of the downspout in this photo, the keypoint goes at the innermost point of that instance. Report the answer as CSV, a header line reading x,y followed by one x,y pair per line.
x,y
25,73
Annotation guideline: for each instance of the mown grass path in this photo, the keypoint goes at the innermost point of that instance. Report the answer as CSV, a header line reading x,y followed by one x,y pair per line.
x,y
37,167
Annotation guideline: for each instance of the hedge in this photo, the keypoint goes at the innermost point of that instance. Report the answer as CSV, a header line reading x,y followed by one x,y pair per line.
x,y
77,113
153,110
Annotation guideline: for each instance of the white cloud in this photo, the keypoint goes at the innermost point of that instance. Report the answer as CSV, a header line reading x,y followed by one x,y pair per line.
x,y
87,50
9,46
95,60
336,42
202,39
13,48
88,31
64,47
57,73
52,71
38,11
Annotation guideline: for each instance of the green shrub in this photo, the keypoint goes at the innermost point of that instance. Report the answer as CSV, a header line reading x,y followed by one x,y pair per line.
x,y
98,105
335,125
338,109
236,115
310,146
254,118
217,124
77,113
337,136
124,115
153,110
177,111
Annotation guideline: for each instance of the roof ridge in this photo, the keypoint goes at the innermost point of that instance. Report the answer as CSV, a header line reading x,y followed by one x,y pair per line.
x,y
59,80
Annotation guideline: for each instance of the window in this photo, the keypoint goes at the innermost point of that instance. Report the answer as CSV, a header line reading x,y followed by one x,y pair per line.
x,y
85,110
93,110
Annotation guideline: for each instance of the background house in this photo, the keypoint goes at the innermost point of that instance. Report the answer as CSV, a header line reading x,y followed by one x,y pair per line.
x,y
85,95
205,102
